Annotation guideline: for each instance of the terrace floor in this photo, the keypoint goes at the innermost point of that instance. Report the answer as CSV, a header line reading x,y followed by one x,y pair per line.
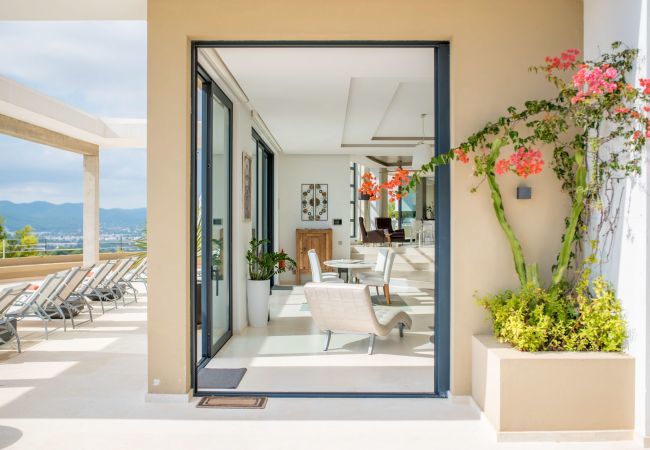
x,y
86,389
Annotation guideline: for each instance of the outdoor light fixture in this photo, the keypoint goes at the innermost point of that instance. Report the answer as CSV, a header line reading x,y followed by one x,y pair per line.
x,y
524,192
423,152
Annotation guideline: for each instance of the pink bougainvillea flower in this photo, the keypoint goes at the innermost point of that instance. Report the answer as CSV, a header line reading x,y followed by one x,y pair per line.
x,y
622,110
592,82
502,166
645,84
527,162
524,162
636,135
564,61
461,155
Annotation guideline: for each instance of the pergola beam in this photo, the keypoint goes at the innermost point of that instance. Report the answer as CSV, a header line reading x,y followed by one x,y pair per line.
x,y
30,132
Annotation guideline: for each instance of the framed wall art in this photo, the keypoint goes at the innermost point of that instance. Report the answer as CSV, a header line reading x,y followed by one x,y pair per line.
x,y
314,202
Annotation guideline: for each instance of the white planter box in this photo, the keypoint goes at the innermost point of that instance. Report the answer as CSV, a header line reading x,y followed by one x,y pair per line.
x,y
552,391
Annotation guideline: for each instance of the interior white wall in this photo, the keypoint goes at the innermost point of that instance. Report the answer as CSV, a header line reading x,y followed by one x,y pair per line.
x,y
294,170
605,22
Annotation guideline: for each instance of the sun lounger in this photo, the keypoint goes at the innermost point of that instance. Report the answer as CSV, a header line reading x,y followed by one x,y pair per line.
x,y
8,297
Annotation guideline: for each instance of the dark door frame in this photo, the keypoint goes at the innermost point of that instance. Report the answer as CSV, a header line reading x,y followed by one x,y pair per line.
x,y
211,89
442,318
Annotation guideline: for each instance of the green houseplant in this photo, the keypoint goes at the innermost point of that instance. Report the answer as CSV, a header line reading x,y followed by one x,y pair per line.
x,y
262,266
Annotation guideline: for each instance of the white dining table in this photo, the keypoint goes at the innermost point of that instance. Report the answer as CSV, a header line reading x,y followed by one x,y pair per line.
x,y
349,264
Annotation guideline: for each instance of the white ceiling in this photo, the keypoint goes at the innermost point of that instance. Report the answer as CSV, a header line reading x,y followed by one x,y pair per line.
x,y
338,100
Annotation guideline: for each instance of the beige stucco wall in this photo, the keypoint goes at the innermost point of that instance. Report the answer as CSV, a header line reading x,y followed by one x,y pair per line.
x,y
492,43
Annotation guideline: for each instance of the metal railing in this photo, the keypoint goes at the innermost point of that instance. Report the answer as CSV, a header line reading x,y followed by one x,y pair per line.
x,y
12,248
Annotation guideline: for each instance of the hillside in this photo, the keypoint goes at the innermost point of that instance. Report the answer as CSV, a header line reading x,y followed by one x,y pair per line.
x,y
67,217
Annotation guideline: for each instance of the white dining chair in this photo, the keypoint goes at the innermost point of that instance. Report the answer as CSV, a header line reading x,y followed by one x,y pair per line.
x,y
318,276
380,278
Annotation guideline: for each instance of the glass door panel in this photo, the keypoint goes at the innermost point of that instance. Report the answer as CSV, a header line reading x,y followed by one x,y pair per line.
x,y
219,221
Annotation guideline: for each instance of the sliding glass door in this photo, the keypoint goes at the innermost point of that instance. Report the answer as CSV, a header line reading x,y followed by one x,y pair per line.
x,y
213,243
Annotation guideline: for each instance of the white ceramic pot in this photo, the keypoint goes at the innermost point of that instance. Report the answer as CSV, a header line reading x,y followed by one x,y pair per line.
x,y
257,293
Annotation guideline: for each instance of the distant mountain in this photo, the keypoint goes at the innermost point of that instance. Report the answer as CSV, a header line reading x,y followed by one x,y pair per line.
x,y
67,217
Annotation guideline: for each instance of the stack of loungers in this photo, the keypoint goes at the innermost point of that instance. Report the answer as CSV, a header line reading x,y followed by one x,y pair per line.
x,y
67,294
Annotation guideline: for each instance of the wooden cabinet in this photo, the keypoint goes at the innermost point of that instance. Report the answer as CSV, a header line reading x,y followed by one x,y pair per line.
x,y
320,239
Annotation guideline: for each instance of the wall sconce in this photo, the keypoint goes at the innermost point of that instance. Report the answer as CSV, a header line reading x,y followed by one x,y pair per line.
x,y
524,192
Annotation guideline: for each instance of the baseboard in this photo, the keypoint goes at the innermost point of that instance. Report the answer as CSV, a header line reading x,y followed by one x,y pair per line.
x,y
565,436
168,398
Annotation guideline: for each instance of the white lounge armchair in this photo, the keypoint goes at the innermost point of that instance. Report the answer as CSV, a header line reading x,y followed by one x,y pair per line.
x,y
381,275
347,308
317,276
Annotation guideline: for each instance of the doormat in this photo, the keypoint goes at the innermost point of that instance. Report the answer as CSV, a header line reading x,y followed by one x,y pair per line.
x,y
282,288
233,402
220,378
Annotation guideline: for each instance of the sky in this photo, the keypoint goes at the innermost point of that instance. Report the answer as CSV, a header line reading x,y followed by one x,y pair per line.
x,y
98,67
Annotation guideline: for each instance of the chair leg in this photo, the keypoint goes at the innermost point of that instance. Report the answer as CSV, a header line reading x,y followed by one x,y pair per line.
x,y
377,289
71,314
371,344
401,330
15,333
328,338
387,294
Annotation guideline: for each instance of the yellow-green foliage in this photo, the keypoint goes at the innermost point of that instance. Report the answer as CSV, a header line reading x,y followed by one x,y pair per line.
x,y
582,319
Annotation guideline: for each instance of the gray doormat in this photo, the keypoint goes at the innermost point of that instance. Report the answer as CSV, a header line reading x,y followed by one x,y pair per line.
x,y
232,402
282,288
220,378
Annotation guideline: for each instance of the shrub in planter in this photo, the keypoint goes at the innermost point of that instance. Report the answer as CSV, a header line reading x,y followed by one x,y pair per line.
x,y
532,319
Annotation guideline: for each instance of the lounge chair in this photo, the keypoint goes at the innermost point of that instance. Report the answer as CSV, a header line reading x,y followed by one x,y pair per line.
x,y
68,300
115,281
142,275
8,297
347,308
94,288
386,223
372,236
133,275
34,304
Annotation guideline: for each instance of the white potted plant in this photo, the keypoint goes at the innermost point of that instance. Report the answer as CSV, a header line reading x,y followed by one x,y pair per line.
x,y
262,266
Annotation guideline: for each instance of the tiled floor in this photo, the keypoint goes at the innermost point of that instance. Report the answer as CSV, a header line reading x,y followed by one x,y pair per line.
x,y
288,356
85,389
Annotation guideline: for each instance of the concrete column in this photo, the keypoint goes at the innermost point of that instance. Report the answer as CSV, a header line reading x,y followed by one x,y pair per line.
x,y
91,210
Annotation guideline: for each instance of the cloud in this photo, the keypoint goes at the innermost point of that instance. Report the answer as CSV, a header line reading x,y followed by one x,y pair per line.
x,y
30,172
99,67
